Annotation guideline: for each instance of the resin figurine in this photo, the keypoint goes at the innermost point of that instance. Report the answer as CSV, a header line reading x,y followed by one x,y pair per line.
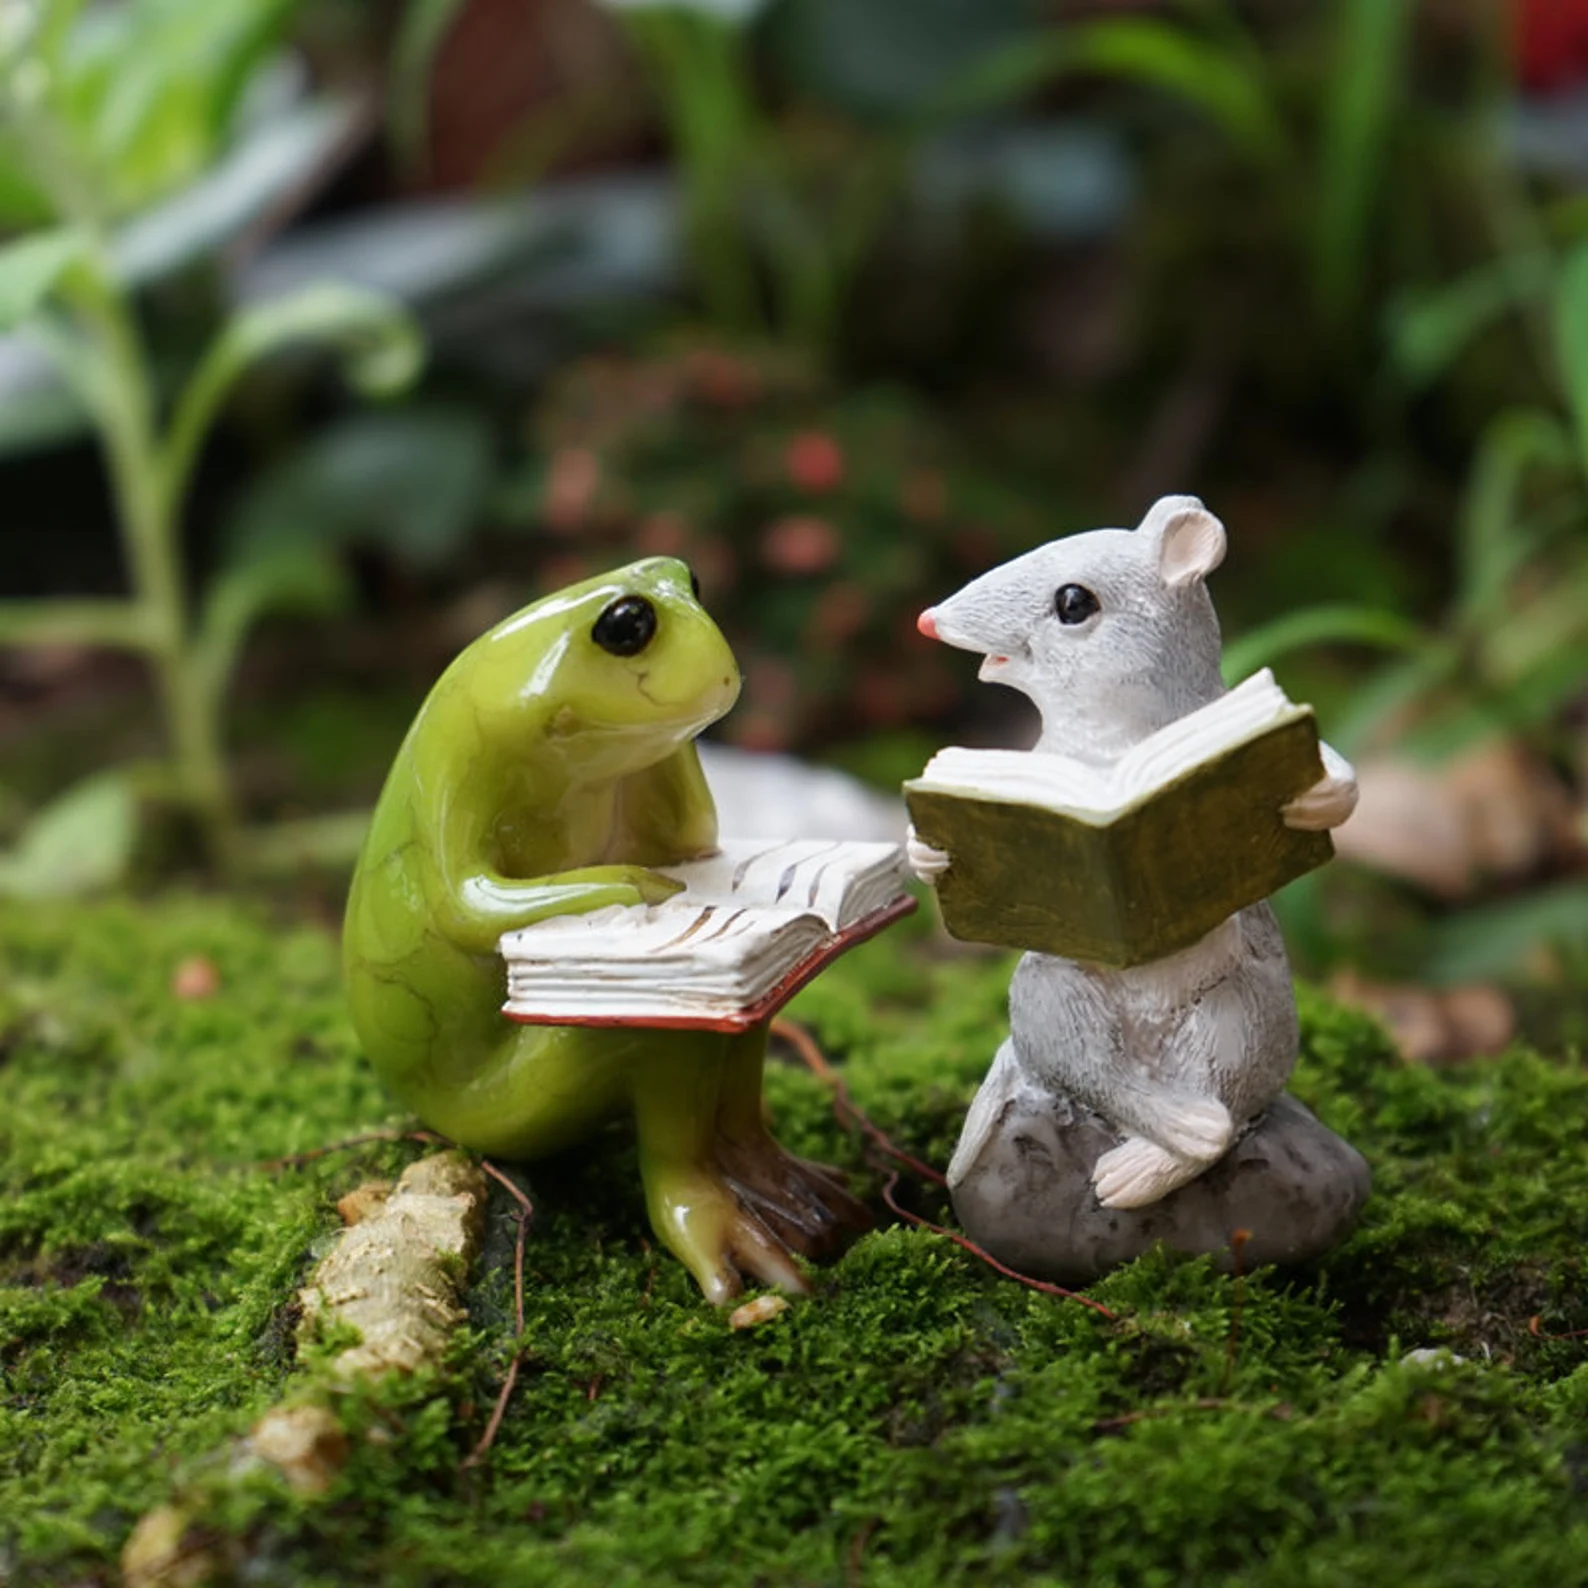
x,y
550,773
1137,1102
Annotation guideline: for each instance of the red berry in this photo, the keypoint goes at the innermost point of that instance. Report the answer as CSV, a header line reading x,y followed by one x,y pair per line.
x,y
815,462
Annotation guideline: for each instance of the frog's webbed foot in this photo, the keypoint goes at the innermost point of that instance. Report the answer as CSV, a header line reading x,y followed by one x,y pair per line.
x,y
716,1236
803,1204
727,1200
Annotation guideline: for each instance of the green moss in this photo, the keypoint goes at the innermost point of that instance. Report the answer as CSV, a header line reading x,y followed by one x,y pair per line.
x,y
917,1420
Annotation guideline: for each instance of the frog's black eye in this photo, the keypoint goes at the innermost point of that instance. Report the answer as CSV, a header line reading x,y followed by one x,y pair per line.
x,y
694,583
626,627
1074,603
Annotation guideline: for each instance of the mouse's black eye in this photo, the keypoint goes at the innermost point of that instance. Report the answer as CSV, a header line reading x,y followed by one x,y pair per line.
x,y
1074,603
694,583
626,627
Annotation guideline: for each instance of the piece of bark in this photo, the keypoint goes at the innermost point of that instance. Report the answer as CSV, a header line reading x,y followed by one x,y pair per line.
x,y
395,1276
304,1442
165,1551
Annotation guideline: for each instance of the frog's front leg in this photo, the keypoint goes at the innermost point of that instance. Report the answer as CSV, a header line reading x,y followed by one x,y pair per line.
x,y
475,910
803,1203
693,1206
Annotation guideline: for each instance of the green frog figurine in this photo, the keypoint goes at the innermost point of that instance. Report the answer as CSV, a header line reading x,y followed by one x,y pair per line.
x,y
550,769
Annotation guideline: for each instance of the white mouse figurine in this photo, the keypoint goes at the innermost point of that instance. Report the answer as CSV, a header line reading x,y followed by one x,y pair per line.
x,y
1112,635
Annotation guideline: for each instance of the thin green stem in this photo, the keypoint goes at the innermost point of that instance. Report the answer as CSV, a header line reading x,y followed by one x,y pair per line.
x,y
104,356
147,513
122,625
190,422
701,74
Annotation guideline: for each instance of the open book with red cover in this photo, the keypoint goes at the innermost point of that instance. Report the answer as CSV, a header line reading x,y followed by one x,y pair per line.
x,y
755,922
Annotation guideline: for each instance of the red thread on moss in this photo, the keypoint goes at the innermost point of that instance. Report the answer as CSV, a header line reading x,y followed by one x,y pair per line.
x,y
526,1211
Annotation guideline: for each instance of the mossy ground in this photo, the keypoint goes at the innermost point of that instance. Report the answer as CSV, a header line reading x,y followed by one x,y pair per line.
x,y
917,1420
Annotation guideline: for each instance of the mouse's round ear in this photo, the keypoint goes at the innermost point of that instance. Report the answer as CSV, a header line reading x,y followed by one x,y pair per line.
x,y
1189,539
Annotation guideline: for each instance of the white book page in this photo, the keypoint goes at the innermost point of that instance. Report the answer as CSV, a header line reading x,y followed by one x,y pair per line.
x,y
1020,777
1202,735
675,957
652,940
837,880
1055,782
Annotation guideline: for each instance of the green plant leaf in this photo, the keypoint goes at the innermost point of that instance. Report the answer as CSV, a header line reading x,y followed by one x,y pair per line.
x,y
32,267
1400,688
293,579
1493,542
80,842
1508,937
411,480
117,623
1321,625
290,848
1428,330
1571,335
263,172
379,342
423,30
150,92
1364,77
881,60
1211,77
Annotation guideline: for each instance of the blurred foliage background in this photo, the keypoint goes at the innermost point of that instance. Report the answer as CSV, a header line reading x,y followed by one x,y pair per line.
x,y
333,330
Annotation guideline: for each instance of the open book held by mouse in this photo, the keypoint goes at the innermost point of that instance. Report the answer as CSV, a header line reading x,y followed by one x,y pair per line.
x,y
1123,864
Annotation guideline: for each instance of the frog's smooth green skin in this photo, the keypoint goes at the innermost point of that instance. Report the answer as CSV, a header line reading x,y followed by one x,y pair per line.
x,y
545,776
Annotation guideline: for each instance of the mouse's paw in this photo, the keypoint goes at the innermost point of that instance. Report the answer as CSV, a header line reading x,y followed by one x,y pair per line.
x,y
1198,1128
716,1237
1329,801
927,863
1138,1172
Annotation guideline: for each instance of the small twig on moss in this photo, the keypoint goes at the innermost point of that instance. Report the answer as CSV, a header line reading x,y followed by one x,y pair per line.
x,y
526,1211
1535,1327
844,1106
298,1159
1280,1411
855,1556
1207,1403
987,1257
1238,1240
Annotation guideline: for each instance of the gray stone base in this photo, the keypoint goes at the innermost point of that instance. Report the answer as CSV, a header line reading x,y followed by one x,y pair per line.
x,y
1026,1193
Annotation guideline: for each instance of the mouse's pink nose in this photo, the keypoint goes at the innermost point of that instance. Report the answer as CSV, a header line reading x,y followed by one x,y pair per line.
x,y
927,624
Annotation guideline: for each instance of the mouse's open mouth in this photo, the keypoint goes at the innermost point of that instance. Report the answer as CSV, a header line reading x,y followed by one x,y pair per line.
x,y
991,666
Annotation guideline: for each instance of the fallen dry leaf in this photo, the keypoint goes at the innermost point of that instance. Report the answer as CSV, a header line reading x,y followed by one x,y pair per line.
x,y
1494,812
1433,1025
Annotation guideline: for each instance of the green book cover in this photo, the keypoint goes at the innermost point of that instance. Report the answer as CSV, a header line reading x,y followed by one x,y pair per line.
x,y
1132,885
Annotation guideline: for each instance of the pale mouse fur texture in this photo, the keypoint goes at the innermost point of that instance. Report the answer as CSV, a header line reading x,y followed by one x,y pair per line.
x,y
1181,1054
